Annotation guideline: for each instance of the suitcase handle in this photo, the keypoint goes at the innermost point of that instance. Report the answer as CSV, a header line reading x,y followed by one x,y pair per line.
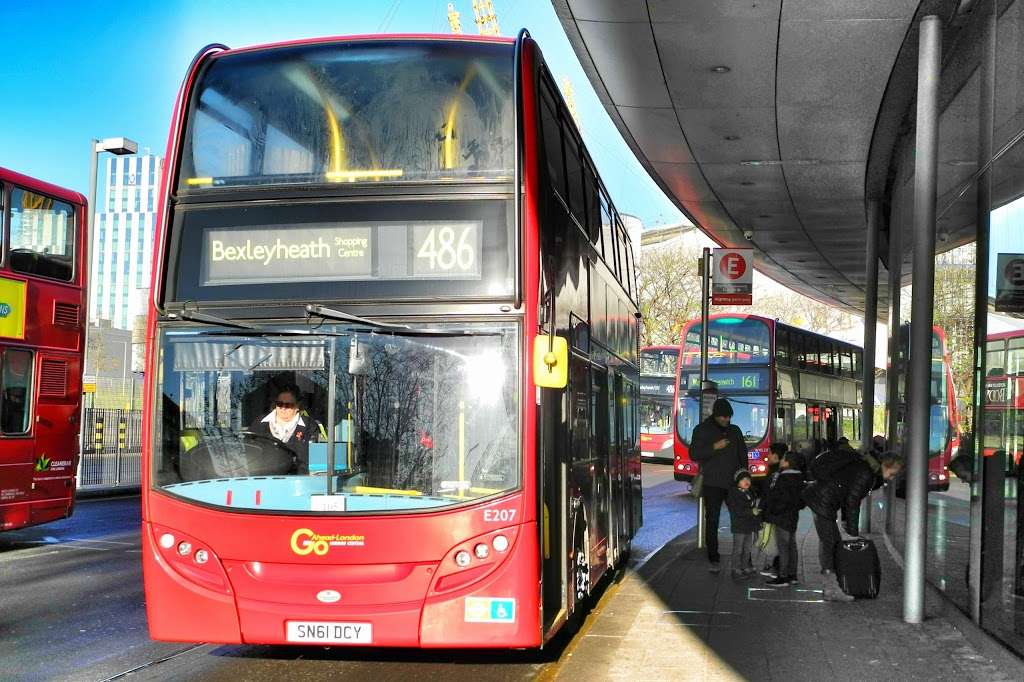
x,y
856,545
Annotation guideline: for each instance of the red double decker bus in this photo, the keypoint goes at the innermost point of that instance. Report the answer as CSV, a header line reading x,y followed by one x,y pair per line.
x,y
784,383
392,352
1004,397
658,368
944,413
43,273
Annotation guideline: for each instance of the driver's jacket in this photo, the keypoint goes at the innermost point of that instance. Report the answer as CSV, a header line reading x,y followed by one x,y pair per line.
x,y
307,431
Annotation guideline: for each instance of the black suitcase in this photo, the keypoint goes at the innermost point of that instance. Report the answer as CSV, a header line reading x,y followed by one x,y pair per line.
x,y
858,568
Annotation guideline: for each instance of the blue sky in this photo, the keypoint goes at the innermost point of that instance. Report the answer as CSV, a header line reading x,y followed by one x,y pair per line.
x,y
76,70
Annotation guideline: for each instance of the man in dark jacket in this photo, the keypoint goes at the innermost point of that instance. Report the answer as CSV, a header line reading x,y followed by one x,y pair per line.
x,y
718,446
843,493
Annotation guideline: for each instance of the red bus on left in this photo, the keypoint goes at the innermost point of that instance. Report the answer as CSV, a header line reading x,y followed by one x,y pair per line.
x,y
42,297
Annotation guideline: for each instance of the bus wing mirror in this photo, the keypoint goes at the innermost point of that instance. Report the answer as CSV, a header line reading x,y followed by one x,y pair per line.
x,y
359,363
550,361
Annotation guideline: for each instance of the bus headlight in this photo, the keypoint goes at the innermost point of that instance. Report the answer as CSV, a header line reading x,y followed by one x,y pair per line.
x,y
202,556
500,543
167,541
462,558
184,548
481,551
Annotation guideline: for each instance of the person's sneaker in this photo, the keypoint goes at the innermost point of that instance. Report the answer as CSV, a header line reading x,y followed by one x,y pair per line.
x,y
715,567
738,574
767,572
793,580
779,582
832,591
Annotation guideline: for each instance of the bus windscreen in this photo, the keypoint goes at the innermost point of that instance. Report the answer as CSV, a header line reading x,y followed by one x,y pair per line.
x,y
417,422
730,340
352,112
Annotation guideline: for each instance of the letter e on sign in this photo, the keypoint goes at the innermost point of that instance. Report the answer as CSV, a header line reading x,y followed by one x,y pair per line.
x,y
1010,283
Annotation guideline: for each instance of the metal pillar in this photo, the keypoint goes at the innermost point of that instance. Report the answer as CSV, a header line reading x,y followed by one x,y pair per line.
x,y
922,314
892,397
705,302
867,415
983,201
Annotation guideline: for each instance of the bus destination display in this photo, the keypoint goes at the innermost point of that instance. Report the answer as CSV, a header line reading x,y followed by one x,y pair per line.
x,y
736,380
341,251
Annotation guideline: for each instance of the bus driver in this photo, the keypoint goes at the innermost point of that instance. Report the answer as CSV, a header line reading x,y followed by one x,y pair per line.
x,y
287,424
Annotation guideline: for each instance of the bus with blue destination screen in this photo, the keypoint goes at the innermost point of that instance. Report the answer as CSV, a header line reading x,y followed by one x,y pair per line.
x,y
784,383
392,361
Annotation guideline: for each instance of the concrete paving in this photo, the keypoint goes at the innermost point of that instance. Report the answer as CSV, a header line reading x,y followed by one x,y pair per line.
x,y
673,620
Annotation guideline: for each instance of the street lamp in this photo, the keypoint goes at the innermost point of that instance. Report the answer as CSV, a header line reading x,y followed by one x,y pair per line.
x,y
118,146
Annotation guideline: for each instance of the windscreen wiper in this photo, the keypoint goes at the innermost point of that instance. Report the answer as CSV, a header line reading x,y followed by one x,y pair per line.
x,y
332,314
196,316
315,310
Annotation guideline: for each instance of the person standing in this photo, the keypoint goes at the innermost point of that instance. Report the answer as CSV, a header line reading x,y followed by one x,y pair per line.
x,y
718,446
744,510
783,510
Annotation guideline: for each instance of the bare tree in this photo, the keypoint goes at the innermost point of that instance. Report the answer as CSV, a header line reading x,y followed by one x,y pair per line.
x,y
669,289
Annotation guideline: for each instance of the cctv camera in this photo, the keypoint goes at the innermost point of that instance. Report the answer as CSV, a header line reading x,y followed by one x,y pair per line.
x,y
748,234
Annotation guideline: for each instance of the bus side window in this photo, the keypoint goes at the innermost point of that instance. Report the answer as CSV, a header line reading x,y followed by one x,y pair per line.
x,y
16,391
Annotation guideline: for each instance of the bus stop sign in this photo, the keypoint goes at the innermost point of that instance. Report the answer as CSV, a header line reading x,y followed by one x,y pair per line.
x,y
1010,283
732,277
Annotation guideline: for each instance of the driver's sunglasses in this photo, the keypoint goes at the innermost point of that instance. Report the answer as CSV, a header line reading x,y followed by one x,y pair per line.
x,y
281,403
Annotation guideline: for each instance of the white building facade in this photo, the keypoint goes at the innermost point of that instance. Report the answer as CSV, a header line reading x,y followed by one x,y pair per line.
x,y
122,245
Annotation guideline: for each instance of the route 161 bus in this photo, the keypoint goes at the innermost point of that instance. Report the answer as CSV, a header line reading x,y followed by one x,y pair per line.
x,y
392,352
42,304
784,383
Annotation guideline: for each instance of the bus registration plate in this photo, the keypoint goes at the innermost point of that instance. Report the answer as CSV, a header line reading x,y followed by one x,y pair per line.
x,y
328,632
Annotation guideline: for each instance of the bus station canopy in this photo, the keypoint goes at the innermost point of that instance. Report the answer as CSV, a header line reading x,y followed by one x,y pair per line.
x,y
758,117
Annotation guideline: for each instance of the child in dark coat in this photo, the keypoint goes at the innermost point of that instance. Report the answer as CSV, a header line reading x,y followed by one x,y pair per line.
x,y
783,509
744,522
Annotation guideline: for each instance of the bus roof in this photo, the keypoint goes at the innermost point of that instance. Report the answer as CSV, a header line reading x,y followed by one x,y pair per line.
x,y
1002,336
370,37
30,183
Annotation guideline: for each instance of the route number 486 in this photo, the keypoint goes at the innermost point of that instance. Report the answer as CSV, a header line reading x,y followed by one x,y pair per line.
x,y
445,251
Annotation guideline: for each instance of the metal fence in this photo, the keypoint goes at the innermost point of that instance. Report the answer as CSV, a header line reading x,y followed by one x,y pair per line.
x,y
111,449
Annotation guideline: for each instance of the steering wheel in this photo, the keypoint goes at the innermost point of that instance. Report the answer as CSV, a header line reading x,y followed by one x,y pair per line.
x,y
250,455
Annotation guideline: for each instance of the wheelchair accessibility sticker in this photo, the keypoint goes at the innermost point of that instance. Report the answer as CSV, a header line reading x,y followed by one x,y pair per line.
x,y
490,610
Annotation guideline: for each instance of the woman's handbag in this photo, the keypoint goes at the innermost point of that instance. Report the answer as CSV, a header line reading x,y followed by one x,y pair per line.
x,y
697,486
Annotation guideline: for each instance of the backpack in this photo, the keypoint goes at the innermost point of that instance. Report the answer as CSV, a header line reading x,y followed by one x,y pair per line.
x,y
825,466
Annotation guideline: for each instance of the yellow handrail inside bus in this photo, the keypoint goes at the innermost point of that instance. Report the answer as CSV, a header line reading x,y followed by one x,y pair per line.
x,y
448,157
370,490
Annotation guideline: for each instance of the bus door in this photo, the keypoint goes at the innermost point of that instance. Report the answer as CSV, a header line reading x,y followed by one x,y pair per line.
x,y
17,448
613,498
554,454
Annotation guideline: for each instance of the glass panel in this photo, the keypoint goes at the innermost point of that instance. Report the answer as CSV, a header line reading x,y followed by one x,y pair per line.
x,y
418,422
730,340
801,431
551,132
995,357
15,403
360,111
42,235
574,174
659,362
655,415
782,347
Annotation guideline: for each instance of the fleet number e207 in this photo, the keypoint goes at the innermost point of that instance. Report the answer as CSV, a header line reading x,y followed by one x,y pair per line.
x,y
499,514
